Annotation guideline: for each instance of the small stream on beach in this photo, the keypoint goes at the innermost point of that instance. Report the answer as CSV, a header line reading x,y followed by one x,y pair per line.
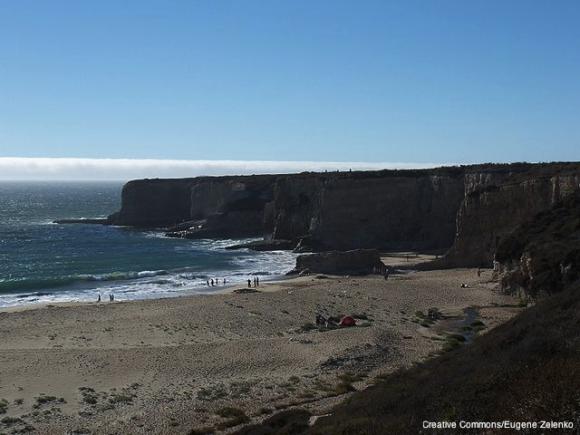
x,y
460,325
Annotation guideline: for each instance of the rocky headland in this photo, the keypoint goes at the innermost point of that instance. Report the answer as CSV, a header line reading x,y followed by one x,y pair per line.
x,y
465,211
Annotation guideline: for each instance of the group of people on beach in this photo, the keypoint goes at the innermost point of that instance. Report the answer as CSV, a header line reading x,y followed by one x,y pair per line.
x,y
111,297
256,282
213,283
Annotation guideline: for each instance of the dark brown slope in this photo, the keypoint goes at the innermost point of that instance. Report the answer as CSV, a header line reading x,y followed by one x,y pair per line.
x,y
525,370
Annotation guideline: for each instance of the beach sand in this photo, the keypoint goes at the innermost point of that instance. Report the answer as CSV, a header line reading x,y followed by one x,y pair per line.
x,y
173,365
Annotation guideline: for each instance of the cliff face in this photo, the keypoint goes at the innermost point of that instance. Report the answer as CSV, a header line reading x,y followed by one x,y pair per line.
x,y
393,211
542,256
389,213
295,205
154,203
470,207
492,210
231,206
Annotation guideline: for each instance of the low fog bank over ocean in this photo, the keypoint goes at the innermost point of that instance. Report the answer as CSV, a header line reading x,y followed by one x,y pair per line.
x,y
27,168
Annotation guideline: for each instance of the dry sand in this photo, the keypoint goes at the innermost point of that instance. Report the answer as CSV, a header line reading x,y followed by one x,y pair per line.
x,y
171,365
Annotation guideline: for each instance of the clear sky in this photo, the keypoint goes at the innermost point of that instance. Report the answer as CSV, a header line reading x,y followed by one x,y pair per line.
x,y
368,81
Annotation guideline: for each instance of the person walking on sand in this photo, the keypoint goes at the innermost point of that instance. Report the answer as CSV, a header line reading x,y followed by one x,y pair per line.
x,y
249,283
257,281
99,298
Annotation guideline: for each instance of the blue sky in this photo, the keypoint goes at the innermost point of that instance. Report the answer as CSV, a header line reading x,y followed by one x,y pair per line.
x,y
367,81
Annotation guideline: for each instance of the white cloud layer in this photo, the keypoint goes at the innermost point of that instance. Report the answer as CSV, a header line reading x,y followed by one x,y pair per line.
x,y
24,168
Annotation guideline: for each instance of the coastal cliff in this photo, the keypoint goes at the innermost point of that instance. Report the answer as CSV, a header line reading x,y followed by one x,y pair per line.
x,y
494,205
154,203
542,256
467,209
385,210
203,206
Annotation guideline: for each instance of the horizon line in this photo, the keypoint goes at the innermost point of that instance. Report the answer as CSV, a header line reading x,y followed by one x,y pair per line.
x,y
124,169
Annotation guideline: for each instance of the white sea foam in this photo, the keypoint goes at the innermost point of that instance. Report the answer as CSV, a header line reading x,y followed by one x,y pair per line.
x,y
154,284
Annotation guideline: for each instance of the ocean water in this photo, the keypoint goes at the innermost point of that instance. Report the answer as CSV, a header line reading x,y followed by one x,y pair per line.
x,y
42,262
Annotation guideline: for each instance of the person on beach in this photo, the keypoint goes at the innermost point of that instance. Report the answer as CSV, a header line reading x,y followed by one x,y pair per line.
x,y
212,284
257,281
207,282
224,281
249,283
99,298
111,297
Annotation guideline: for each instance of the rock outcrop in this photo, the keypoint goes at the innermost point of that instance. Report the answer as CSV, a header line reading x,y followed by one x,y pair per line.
x,y
154,203
210,207
542,256
265,245
97,221
354,262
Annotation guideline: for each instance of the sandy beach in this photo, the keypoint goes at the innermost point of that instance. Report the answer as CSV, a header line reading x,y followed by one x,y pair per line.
x,y
211,362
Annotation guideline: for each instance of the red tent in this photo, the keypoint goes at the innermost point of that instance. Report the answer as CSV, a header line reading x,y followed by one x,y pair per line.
x,y
347,321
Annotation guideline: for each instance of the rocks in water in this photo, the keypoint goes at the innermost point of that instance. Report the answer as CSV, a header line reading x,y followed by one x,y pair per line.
x,y
354,262
105,221
265,245
185,226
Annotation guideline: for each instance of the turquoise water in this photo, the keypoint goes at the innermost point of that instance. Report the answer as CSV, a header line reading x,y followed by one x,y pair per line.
x,y
44,262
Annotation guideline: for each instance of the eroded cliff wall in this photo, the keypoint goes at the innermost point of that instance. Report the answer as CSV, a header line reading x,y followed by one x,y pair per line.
x,y
491,210
385,210
397,212
154,203
542,256
214,206
469,207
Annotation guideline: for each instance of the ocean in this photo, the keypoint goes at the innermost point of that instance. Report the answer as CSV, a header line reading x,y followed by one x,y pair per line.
x,y
42,262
